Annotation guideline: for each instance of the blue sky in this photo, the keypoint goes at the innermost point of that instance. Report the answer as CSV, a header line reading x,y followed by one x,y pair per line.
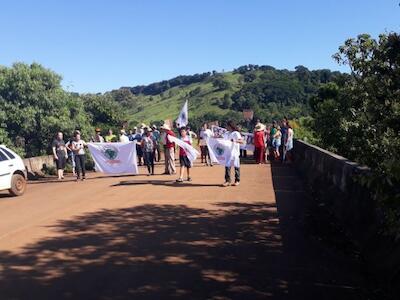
x,y
102,45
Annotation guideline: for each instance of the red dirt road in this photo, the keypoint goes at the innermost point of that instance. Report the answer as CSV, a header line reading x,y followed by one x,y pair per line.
x,y
139,237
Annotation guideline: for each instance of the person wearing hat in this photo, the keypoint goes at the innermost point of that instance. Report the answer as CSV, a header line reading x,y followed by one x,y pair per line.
x,y
157,137
148,145
137,136
259,143
97,137
110,137
123,138
169,151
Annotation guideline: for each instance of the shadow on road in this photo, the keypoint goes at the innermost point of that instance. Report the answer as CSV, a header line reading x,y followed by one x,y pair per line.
x,y
236,251
164,183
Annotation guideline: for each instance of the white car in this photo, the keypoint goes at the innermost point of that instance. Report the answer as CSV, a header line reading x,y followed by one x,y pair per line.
x,y
13,175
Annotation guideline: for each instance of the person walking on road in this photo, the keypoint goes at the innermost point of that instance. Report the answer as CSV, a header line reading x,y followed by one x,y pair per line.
x,y
204,134
78,147
60,154
157,136
183,159
148,146
259,143
169,151
235,137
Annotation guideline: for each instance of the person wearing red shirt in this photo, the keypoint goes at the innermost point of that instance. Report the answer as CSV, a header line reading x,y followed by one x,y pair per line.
x,y
169,151
259,143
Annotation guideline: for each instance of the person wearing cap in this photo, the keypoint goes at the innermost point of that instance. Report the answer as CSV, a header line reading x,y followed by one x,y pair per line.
x,y
157,137
97,137
123,138
259,143
110,137
148,145
169,151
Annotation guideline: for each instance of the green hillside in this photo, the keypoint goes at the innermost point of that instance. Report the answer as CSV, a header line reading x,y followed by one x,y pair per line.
x,y
271,93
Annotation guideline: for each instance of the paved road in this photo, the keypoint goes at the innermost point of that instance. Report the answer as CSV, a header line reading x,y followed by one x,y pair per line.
x,y
139,237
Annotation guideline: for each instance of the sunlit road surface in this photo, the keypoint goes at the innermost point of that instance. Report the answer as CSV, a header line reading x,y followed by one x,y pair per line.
x,y
140,237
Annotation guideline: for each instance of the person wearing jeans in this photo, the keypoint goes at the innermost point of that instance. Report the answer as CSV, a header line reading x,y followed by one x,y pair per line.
x,y
78,148
235,137
148,146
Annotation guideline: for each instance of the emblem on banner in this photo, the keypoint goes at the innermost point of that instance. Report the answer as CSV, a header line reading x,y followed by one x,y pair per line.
x,y
110,153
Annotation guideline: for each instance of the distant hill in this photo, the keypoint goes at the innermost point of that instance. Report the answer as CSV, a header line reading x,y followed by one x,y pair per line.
x,y
270,92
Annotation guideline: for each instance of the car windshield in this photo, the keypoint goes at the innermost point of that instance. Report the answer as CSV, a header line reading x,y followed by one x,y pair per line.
x,y
2,155
6,151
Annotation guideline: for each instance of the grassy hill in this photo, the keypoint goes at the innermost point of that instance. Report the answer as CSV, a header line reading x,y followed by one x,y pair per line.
x,y
203,98
269,92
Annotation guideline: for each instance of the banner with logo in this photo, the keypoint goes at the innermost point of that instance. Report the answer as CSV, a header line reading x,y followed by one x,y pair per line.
x,y
221,151
248,139
217,131
191,152
114,158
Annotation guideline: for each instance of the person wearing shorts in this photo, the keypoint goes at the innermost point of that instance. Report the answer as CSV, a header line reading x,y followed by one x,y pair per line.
x,y
60,154
183,159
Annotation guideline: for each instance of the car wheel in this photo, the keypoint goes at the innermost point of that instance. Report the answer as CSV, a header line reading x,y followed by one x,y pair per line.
x,y
18,185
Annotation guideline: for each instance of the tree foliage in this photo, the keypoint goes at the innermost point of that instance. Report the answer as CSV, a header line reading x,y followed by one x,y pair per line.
x,y
36,107
359,117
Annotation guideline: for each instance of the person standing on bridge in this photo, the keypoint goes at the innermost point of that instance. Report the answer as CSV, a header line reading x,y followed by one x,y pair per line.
x,y
60,154
78,147
169,151
235,137
259,143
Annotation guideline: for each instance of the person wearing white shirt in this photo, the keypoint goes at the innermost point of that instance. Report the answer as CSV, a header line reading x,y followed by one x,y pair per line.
x,y
236,138
123,138
204,134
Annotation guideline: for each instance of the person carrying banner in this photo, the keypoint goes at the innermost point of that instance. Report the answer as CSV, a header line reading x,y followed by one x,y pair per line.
x,y
183,158
169,151
234,136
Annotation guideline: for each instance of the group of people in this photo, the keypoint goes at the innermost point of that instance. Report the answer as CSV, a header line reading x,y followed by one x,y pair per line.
x,y
275,141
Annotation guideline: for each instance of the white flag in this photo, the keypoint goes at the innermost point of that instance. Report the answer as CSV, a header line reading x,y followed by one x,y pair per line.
x,y
191,152
222,151
183,118
114,158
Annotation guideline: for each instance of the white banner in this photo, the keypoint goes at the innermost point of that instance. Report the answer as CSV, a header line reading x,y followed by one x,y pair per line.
x,y
217,131
191,152
183,118
221,151
114,158
248,139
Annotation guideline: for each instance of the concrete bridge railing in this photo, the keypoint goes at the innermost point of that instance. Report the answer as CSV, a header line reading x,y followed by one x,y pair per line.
x,y
331,180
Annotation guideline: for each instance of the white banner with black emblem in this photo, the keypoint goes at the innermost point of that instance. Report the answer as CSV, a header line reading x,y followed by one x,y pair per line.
x,y
114,158
221,151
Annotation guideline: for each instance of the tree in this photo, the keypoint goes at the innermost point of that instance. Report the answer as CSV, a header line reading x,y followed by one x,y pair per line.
x,y
37,107
226,102
220,83
363,115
